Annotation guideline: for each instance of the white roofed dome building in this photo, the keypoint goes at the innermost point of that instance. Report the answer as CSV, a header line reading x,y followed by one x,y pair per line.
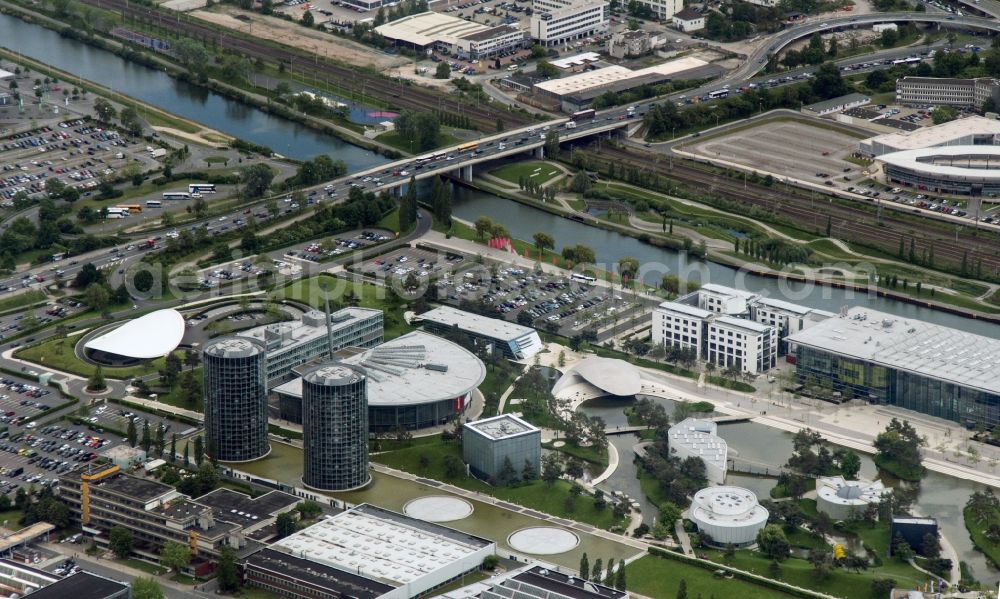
x,y
842,499
153,335
728,516
604,376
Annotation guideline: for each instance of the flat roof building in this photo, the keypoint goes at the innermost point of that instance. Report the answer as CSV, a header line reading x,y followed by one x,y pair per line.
x,y
21,579
946,91
156,513
555,22
728,516
516,342
367,552
414,381
601,79
839,104
961,170
697,438
535,582
968,131
84,585
913,364
843,499
488,445
438,30
291,344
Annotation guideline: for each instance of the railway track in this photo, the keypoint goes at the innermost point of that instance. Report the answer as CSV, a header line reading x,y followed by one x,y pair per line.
x,y
847,223
411,97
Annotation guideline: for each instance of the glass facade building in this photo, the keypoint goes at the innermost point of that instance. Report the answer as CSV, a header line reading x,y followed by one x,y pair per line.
x,y
235,392
488,444
335,427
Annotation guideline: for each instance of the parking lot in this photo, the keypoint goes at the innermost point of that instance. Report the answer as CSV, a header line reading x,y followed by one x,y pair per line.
x,y
402,262
77,152
59,309
328,249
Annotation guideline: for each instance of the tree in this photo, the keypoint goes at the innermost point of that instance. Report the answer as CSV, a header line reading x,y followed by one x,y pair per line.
x,y
285,525
420,127
199,450
408,206
546,69
881,587
580,182
551,143
772,542
453,466
173,447
507,475
901,550
226,572
943,114
146,440
175,556
850,465
551,468
620,577
828,83
669,512
529,472
120,541
104,110
146,587
682,590
597,570
96,382
443,71
483,226
256,180
307,19
131,433
96,296
584,566
930,546
543,241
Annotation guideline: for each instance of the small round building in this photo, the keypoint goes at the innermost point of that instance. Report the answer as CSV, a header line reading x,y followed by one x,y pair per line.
x,y
335,427
841,499
693,437
235,392
728,515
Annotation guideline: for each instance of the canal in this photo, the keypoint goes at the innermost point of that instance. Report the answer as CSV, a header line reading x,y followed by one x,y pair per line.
x,y
177,97
524,221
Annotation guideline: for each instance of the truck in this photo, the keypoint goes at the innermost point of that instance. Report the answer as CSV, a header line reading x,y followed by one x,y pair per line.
x,y
147,245
571,124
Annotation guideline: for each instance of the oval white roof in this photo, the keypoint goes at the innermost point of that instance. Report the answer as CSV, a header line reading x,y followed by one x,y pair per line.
x,y
151,336
616,377
959,163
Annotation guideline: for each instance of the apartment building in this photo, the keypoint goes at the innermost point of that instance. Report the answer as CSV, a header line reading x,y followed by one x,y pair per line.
x,y
155,513
741,344
557,22
945,91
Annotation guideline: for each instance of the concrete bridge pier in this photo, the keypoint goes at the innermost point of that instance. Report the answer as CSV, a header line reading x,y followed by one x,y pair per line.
x,y
465,173
539,152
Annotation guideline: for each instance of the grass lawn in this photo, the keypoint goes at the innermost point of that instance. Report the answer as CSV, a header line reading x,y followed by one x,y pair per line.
x,y
211,160
587,454
977,532
898,470
175,396
20,300
496,382
390,222
368,296
145,566
10,519
59,354
552,499
538,171
392,138
659,577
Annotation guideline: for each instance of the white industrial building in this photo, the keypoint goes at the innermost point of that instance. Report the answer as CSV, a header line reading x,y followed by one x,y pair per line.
x,y
728,516
469,39
968,131
555,22
843,499
366,552
696,438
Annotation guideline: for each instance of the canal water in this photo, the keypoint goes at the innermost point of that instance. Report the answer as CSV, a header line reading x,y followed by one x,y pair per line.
x,y
177,97
939,496
524,221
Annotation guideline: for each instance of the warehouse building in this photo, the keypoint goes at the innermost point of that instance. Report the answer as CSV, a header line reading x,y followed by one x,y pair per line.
x,y
156,513
489,444
916,365
437,31
291,344
414,381
367,553
946,91
555,22
514,341
968,131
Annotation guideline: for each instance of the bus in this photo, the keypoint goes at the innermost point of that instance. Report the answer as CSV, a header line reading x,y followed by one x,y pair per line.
x,y
583,114
201,188
153,203
431,157
583,278
472,145
719,93
176,195
131,208
908,60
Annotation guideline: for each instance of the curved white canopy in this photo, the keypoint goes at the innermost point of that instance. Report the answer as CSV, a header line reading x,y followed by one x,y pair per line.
x,y
151,336
964,163
616,377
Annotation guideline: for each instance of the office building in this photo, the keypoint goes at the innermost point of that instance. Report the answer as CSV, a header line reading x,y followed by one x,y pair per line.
x,y
917,365
291,344
335,427
555,22
681,325
488,444
663,9
367,553
946,91
534,582
723,300
156,513
967,131
414,381
787,318
727,516
513,341
740,344
696,438
235,392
